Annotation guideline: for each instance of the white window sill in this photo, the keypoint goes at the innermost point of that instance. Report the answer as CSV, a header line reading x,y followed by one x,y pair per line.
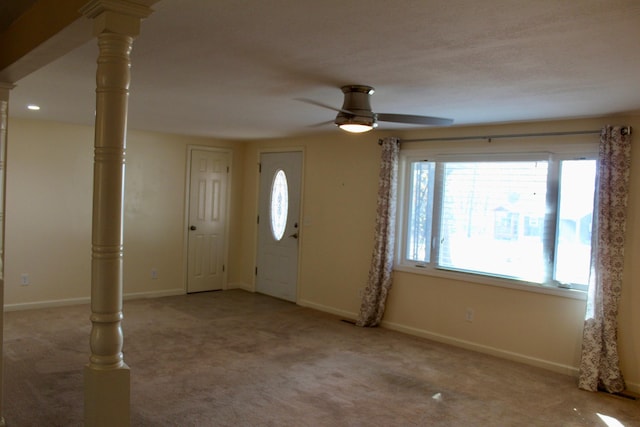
x,y
494,281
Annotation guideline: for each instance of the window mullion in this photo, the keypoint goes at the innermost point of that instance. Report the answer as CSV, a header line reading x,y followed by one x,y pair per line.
x,y
436,213
551,218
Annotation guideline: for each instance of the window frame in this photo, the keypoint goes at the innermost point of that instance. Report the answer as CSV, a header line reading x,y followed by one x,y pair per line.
x,y
554,153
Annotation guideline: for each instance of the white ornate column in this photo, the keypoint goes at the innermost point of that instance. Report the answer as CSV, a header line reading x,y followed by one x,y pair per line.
x,y
106,377
5,88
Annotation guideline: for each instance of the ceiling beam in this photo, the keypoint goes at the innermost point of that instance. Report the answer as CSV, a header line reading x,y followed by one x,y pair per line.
x,y
46,31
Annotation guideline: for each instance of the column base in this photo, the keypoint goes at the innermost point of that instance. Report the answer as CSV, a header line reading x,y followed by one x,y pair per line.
x,y
107,397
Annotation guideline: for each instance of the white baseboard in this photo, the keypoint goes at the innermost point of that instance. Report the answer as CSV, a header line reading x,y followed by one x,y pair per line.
x,y
342,313
46,304
240,285
633,387
87,300
504,354
154,294
528,360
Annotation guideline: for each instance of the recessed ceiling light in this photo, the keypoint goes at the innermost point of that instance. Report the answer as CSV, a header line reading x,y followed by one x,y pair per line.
x,y
33,107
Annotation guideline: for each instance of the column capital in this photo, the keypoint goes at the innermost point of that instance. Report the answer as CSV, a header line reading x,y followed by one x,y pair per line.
x,y
117,16
5,88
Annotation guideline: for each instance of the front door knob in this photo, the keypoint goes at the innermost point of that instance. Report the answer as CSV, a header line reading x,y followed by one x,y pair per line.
x,y
193,227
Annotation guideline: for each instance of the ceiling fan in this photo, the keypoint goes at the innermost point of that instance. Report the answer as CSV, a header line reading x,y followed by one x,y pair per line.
x,y
356,115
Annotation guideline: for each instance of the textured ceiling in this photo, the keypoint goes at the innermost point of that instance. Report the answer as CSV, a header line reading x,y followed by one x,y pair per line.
x,y
233,69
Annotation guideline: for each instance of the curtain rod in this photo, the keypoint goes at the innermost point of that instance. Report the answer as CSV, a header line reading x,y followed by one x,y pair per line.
x,y
625,131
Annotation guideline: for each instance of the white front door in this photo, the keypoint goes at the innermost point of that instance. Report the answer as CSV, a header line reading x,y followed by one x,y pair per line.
x,y
279,224
207,220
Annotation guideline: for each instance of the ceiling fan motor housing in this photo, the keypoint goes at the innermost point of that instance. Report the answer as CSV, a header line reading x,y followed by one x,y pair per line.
x,y
357,102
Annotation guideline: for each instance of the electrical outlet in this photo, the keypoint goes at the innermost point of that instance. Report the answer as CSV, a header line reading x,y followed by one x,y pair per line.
x,y
154,273
468,314
24,279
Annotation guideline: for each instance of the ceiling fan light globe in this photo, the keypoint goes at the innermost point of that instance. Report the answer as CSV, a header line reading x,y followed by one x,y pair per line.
x,y
363,121
355,128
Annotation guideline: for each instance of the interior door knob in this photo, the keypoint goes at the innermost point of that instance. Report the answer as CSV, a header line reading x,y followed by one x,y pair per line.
x,y
193,227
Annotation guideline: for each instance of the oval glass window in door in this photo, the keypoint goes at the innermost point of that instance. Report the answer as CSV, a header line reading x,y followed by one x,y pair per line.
x,y
279,204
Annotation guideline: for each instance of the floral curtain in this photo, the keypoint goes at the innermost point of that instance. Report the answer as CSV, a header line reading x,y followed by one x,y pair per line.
x,y
380,272
599,366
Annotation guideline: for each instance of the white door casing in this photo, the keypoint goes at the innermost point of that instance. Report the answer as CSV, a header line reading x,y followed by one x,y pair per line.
x,y
279,224
207,220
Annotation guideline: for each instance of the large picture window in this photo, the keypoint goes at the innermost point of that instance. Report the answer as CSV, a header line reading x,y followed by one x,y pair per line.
x,y
521,217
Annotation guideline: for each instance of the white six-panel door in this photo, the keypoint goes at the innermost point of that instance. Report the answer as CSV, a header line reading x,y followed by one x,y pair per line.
x,y
207,220
279,224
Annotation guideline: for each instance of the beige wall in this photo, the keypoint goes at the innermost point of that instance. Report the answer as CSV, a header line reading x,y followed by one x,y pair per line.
x,y
48,236
340,185
338,210
49,203
48,211
541,329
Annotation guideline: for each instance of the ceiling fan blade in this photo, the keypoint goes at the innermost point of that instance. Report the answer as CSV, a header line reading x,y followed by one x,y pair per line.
x,y
416,120
320,104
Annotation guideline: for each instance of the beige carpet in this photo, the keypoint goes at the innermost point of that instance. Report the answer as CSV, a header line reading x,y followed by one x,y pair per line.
x,y
234,358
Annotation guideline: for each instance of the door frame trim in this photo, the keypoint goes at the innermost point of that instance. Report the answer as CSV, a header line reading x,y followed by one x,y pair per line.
x,y
259,152
185,225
